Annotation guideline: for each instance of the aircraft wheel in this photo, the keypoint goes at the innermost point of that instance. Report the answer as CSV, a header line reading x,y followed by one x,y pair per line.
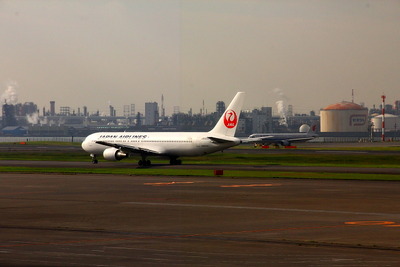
x,y
142,163
95,161
175,162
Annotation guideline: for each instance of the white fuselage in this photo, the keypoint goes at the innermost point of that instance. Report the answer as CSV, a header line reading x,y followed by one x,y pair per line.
x,y
172,144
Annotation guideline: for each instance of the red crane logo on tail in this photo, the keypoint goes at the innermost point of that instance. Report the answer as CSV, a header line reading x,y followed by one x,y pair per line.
x,y
230,119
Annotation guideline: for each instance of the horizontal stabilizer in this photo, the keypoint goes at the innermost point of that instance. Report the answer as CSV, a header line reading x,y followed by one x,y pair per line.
x,y
219,140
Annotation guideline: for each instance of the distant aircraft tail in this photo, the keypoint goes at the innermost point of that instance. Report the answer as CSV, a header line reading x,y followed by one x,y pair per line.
x,y
228,122
313,129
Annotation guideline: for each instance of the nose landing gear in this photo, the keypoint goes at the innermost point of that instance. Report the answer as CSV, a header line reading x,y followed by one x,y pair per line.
x,y
94,159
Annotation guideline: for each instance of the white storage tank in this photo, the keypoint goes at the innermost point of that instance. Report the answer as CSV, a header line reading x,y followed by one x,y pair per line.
x,y
304,128
344,117
392,123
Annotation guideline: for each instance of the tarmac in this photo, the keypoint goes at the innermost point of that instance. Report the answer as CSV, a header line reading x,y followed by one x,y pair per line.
x,y
121,220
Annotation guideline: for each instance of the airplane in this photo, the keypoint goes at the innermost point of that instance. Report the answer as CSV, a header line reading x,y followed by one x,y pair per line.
x,y
116,146
284,139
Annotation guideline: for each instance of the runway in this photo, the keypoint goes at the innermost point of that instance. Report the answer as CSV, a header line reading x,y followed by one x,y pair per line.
x,y
117,220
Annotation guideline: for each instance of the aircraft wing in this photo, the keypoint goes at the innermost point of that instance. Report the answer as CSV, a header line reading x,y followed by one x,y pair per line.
x,y
130,149
250,140
269,139
300,139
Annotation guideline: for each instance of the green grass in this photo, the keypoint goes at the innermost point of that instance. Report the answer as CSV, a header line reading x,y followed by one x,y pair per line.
x,y
58,151
289,159
45,156
205,173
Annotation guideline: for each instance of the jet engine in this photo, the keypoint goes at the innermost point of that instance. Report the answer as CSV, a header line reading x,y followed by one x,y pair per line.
x,y
285,143
113,153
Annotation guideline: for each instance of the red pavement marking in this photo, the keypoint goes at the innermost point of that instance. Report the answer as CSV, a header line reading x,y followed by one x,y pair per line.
x,y
169,183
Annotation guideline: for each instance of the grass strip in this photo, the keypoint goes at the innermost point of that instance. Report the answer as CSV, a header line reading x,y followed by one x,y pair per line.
x,y
206,173
287,159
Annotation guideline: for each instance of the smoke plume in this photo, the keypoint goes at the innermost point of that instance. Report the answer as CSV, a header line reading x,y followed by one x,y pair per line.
x,y
35,119
10,96
281,106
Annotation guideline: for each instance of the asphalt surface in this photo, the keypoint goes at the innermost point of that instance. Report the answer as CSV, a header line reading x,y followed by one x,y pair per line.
x,y
117,220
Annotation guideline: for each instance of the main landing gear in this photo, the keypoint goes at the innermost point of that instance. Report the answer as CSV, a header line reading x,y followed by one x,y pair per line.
x,y
144,162
175,161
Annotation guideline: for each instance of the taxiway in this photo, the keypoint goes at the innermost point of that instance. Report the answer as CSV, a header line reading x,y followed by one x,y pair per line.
x,y
117,220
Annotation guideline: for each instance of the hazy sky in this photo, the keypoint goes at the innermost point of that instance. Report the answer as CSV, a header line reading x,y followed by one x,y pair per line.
x,y
98,52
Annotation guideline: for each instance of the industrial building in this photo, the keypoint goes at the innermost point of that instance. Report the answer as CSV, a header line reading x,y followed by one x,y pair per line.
x,y
344,117
151,113
262,120
392,123
345,121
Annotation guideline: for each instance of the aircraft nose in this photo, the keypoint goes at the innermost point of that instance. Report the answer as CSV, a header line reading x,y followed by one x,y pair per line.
x,y
85,144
